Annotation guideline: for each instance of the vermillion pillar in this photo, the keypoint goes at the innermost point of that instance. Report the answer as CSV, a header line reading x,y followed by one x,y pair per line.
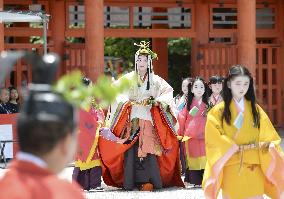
x,y
247,34
57,25
1,29
94,37
202,18
160,46
280,107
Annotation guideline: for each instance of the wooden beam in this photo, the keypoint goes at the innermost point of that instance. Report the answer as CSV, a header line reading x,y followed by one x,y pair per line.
x,y
230,33
137,33
267,34
157,3
24,2
27,2
147,4
75,32
224,33
151,33
27,46
148,1
234,1
139,1
19,46
24,32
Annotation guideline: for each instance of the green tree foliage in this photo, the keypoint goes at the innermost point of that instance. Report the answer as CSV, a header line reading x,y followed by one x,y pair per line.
x,y
179,67
102,93
179,61
179,46
179,56
123,48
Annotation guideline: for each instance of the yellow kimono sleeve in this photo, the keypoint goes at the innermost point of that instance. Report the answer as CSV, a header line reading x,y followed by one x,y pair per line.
x,y
219,149
271,157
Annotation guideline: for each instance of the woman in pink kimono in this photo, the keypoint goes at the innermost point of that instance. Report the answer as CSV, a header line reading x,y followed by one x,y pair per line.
x,y
180,101
192,121
216,86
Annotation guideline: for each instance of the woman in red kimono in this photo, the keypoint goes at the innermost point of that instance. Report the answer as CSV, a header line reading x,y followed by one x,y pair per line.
x,y
192,121
145,116
87,171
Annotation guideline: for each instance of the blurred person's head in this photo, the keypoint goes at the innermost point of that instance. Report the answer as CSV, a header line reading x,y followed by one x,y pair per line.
x,y
14,95
4,95
184,85
86,81
216,84
46,127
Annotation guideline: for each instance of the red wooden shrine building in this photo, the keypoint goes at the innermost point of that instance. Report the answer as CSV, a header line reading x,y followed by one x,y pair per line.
x,y
223,32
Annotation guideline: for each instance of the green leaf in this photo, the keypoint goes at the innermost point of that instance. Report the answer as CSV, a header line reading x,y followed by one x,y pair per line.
x,y
72,88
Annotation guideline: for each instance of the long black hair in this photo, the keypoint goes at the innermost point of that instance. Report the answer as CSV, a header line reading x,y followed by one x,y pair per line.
x,y
235,71
189,80
214,80
190,95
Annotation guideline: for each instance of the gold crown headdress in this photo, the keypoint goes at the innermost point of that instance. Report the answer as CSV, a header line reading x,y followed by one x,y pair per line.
x,y
144,49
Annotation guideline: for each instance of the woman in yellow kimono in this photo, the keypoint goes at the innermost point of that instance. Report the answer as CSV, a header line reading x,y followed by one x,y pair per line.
x,y
244,157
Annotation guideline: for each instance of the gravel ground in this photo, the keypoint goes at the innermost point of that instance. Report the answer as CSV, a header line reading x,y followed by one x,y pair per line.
x,y
114,193
167,193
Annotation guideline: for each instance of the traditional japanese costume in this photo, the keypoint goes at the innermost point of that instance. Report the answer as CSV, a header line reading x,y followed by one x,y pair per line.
x,y
191,128
243,160
151,155
214,100
87,171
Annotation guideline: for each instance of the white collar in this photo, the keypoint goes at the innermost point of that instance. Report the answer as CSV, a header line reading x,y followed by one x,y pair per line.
x,y
198,101
28,157
217,96
240,104
183,97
